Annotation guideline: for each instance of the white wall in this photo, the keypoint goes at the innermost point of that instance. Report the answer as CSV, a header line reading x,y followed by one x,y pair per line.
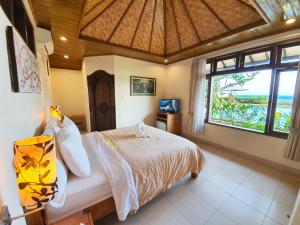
x,y
265,147
67,90
21,116
129,109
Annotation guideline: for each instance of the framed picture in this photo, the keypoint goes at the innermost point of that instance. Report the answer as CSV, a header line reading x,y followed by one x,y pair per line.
x,y
142,86
23,64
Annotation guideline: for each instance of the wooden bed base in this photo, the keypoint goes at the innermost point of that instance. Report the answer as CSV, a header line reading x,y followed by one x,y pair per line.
x,y
86,216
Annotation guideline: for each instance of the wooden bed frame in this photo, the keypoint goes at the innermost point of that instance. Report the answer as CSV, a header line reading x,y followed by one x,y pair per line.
x,y
86,216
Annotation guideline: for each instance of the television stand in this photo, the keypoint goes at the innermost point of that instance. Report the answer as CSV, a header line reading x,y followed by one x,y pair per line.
x,y
170,122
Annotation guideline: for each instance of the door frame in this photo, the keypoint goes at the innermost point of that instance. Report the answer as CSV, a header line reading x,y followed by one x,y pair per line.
x,y
92,80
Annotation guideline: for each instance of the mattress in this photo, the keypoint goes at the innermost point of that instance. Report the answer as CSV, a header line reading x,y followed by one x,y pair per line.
x,y
82,192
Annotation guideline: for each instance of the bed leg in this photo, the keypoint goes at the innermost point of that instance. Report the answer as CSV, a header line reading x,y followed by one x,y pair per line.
x,y
194,175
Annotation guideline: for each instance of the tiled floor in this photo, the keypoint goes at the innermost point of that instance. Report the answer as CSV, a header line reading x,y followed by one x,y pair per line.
x,y
231,190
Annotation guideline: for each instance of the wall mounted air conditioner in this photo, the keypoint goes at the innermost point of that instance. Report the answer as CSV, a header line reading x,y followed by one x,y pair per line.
x,y
44,41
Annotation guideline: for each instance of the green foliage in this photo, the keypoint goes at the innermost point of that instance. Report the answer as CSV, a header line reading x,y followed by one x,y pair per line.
x,y
236,111
244,112
282,121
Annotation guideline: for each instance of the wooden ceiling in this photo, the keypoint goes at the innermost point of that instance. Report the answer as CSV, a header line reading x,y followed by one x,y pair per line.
x,y
153,30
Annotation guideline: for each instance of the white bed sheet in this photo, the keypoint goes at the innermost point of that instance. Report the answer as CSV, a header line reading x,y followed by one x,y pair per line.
x,y
82,192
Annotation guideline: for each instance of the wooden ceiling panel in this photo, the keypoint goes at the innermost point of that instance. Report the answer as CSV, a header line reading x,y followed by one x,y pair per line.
x,y
126,29
89,15
187,32
157,44
233,13
103,26
91,4
205,22
142,38
58,61
160,30
173,43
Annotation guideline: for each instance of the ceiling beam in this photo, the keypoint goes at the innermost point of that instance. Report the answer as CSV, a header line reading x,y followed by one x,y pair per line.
x,y
165,27
95,6
216,15
120,20
246,4
98,14
138,24
176,25
191,20
153,21
81,18
260,11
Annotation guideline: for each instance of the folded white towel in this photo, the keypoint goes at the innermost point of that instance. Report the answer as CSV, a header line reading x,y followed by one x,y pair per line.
x,y
142,130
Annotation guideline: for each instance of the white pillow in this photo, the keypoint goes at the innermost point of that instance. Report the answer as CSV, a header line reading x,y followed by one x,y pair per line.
x,y
61,169
72,151
62,179
50,127
67,121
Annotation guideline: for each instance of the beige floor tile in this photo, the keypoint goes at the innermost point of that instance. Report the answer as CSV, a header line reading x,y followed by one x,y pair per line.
x,y
219,219
270,172
235,172
269,221
195,210
225,183
241,213
253,198
206,172
287,194
210,193
263,184
163,212
279,212
176,194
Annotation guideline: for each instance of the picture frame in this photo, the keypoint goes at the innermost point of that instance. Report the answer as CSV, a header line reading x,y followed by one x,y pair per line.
x,y
23,64
142,86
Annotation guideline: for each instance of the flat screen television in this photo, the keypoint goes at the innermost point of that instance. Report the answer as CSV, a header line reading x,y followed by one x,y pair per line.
x,y
169,105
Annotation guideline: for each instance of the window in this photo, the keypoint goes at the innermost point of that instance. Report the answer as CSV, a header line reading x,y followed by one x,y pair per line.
x,y
241,99
253,90
257,59
226,64
284,101
290,54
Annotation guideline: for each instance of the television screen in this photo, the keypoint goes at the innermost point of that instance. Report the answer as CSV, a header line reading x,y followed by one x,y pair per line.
x,y
169,105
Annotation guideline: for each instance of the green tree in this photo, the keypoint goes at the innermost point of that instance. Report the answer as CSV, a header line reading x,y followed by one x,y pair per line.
x,y
233,110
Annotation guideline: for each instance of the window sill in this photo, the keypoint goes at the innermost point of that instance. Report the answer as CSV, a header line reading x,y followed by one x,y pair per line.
x,y
274,134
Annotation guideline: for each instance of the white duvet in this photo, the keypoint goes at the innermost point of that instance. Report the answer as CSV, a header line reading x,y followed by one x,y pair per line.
x,y
118,173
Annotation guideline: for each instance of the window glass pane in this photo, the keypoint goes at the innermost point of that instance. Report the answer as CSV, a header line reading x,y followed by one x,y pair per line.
x,y
257,59
286,89
227,64
207,68
241,99
290,54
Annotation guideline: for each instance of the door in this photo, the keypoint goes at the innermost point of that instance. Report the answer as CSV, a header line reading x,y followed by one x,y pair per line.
x,y
101,87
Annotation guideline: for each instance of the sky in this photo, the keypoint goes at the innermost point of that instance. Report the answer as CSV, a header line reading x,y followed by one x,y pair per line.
x,y
261,84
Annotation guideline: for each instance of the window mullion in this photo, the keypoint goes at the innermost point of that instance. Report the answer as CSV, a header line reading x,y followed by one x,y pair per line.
x,y
271,103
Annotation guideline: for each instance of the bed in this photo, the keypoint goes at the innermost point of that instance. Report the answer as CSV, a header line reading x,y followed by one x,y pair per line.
x,y
156,163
